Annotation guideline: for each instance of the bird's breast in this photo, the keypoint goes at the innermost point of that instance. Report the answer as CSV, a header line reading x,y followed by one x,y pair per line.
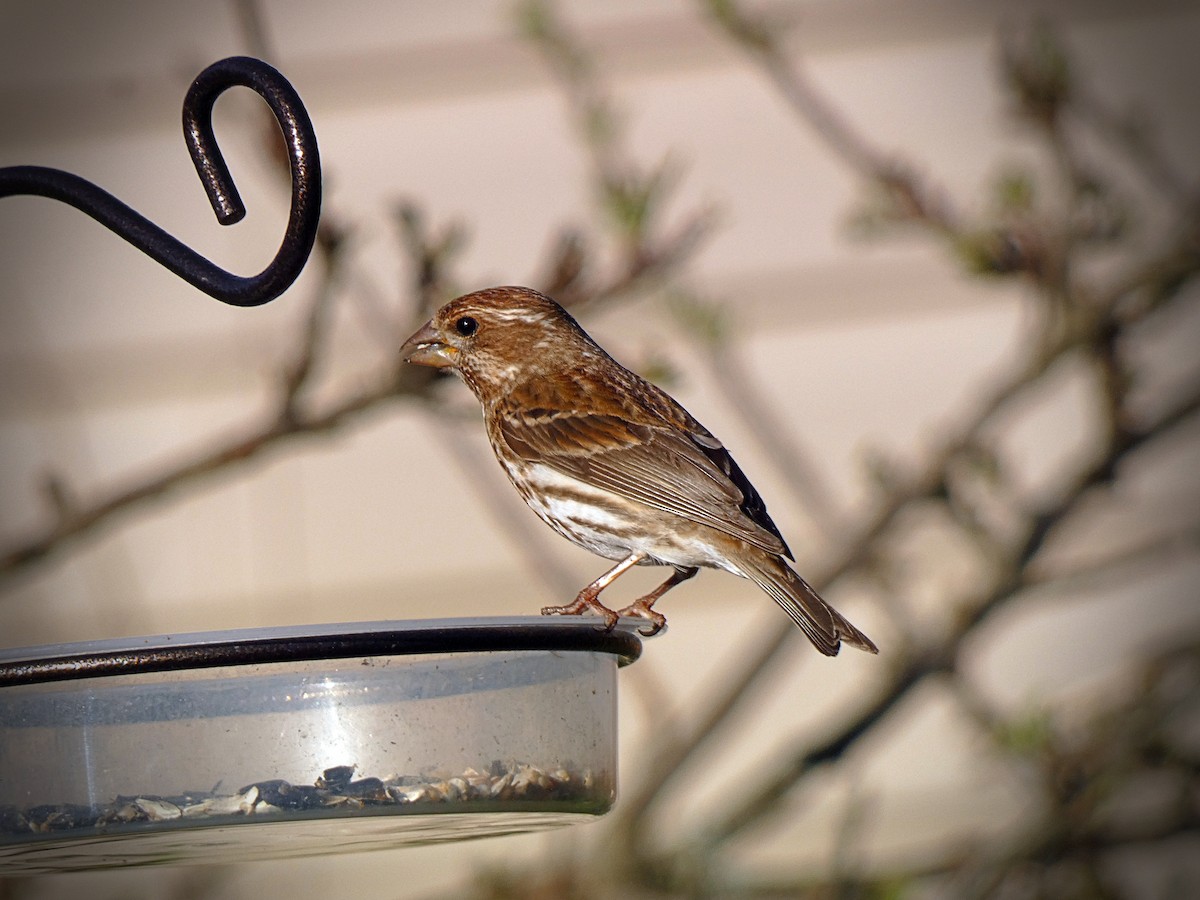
x,y
606,523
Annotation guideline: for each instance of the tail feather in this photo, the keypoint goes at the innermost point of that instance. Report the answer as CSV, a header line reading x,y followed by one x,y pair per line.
x,y
823,624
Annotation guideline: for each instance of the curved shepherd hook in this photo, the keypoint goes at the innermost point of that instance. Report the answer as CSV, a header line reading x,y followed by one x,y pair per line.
x,y
185,262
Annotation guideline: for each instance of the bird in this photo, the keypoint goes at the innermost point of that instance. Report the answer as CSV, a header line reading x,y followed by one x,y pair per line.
x,y
612,462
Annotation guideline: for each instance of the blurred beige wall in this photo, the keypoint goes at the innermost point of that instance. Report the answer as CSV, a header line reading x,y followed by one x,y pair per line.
x,y
112,368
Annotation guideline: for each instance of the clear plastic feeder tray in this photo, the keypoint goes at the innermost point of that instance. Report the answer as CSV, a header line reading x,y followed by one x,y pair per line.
x,y
283,742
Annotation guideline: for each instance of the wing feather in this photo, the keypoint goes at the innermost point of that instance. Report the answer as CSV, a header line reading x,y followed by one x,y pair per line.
x,y
656,464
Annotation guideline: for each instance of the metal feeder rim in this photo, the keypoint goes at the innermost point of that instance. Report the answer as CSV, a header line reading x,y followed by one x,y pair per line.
x,y
253,646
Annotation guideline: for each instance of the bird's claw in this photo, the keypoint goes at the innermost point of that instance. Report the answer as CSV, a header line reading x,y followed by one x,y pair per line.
x,y
582,605
640,609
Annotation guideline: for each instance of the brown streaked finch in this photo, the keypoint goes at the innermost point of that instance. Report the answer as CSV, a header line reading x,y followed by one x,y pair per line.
x,y
612,462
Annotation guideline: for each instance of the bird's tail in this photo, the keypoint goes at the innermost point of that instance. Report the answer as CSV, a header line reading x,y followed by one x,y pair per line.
x,y
823,624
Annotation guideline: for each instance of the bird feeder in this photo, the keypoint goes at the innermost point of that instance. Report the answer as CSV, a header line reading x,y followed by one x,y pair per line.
x,y
230,746
238,745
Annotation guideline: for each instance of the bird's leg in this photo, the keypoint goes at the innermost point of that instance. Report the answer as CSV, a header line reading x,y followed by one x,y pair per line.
x,y
641,606
587,602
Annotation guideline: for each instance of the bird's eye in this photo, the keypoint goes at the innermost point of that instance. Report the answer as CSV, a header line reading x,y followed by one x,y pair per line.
x,y
466,326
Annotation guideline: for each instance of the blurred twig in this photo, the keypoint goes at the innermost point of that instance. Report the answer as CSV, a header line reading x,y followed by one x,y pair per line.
x,y
708,324
632,198
915,198
1129,562
1097,315
1080,317
943,657
395,382
859,552
652,252
520,530
799,469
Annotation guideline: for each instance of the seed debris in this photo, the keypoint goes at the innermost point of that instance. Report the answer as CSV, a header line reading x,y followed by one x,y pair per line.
x,y
336,790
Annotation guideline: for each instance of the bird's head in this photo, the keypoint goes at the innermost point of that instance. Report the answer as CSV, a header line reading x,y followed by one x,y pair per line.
x,y
498,336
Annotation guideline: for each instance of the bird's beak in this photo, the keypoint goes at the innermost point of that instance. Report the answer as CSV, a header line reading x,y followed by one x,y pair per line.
x,y
425,348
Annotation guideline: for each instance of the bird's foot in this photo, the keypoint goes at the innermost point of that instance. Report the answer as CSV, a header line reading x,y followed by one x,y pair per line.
x,y
641,609
584,604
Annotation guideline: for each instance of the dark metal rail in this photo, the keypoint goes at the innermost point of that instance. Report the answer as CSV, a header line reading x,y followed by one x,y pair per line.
x,y
303,160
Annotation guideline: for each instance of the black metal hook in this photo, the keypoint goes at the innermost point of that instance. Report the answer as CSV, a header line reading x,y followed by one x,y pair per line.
x,y
185,262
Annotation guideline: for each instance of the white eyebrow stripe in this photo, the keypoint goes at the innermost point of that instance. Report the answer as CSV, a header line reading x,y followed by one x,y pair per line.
x,y
517,315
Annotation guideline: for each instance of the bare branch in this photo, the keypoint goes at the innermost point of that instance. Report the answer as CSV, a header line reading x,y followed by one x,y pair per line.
x,y
226,454
631,197
655,256
942,657
521,530
930,484
1143,287
1128,562
760,419
918,201
316,327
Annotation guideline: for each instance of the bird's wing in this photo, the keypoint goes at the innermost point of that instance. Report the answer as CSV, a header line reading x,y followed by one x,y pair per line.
x,y
663,405
656,463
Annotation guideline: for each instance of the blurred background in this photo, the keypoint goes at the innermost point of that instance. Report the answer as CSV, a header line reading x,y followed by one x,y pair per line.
x,y
927,268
